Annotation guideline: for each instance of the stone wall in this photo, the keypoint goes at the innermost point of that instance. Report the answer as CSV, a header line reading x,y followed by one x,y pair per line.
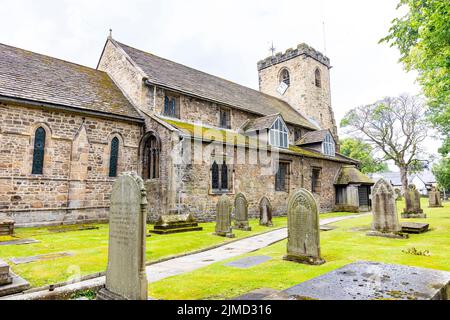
x,y
75,184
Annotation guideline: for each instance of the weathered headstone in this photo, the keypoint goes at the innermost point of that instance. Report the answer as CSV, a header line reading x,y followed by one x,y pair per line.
x,y
413,209
10,283
398,193
265,212
223,218
7,227
241,212
434,198
126,278
385,219
175,223
303,229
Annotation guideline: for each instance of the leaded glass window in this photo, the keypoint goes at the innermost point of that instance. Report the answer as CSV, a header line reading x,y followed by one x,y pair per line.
x,y
278,135
38,151
171,107
328,146
113,157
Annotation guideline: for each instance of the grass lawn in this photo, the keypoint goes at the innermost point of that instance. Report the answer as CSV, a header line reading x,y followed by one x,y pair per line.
x,y
346,244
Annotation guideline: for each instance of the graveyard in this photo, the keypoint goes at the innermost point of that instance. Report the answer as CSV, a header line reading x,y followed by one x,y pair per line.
x,y
83,250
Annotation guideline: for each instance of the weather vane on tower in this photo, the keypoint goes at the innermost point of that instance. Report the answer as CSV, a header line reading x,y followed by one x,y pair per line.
x,y
272,49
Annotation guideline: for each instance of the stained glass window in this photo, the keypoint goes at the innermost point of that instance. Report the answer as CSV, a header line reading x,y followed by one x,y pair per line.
x,y
113,157
38,151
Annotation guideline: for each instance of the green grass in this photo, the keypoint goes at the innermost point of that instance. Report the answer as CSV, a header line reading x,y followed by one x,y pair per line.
x,y
346,244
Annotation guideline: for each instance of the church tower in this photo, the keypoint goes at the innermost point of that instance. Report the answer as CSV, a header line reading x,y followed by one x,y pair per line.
x,y
300,77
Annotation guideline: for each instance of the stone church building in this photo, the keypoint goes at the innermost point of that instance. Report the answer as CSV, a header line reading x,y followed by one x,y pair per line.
x,y
66,132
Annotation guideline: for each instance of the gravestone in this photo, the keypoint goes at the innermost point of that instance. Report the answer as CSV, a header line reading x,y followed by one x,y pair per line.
x,y
175,223
434,198
7,227
241,212
384,210
265,212
303,244
398,193
10,283
413,209
223,218
126,278
414,227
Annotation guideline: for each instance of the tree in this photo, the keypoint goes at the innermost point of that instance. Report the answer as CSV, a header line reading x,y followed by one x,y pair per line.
x,y
395,126
422,36
441,171
362,151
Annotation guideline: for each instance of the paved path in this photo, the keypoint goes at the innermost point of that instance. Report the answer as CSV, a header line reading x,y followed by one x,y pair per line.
x,y
176,266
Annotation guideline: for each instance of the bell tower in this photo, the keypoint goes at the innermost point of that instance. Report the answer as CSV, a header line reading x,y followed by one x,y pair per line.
x,y
300,77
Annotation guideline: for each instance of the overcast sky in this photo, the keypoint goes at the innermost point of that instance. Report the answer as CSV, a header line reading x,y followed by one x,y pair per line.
x,y
224,38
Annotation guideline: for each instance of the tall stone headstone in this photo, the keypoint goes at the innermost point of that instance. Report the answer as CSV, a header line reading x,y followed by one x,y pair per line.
x,y
265,212
303,229
384,210
126,278
223,218
434,198
413,209
241,212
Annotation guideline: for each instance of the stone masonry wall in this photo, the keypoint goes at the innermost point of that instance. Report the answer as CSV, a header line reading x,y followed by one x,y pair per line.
x,y
74,185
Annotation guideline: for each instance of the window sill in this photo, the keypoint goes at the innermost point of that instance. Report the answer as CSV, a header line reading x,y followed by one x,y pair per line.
x,y
220,192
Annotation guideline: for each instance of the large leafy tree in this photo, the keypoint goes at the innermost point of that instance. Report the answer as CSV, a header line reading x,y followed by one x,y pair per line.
x,y
358,149
422,36
395,126
441,171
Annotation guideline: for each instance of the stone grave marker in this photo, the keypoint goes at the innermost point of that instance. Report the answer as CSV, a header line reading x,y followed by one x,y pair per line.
x,y
303,229
40,257
7,227
413,209
265,212
365,280
241,212
414,227
126,278
434,198
10,283
385,219
223,218
175,223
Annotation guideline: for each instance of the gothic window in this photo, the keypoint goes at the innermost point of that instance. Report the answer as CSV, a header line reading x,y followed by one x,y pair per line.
x,y
284,77
328,146
318,78
113,157
38,151
171,107
221,176
316,183
150,158
278,135
225,118
282,177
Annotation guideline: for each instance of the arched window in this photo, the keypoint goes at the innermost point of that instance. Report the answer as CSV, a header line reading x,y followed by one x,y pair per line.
x,y
279,134
318,78
328,146
171,107
114,157
150,158
38,151
284,77
215,176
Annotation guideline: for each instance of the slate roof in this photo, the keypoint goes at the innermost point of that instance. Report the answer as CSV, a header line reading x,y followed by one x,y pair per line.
x,y
260,123
313,137
32,76
179,77
394,177
350,174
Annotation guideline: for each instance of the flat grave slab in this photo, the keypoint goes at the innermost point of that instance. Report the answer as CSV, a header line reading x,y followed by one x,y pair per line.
x,y
248,262
257,294
41,257
18,242
74,227
365,280
414,227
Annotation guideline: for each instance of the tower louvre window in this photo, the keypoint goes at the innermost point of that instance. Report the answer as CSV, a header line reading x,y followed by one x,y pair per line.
x,y
285,77
317,77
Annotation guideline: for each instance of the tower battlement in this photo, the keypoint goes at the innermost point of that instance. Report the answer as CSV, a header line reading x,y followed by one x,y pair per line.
x,y
302,49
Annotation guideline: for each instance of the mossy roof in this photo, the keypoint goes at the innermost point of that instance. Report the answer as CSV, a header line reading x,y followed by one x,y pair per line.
x,y
350,174
208,134
35,77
